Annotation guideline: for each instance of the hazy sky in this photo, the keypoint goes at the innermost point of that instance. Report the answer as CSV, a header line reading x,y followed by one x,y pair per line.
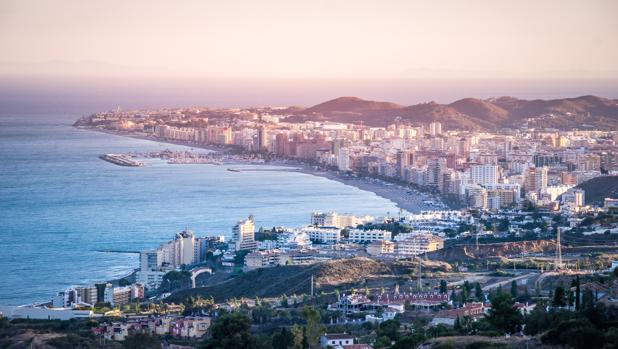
x,y
311,39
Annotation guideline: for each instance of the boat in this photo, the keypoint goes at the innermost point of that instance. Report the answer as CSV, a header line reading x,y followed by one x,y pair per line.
x,y
232,170
120,160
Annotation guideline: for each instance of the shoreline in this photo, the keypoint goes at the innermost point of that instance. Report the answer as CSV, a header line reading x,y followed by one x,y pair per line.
x,y
405,198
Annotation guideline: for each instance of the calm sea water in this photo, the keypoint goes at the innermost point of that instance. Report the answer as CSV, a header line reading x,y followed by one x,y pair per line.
x,y
59,203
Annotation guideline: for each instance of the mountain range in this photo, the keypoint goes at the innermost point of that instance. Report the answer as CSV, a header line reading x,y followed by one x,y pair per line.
x,y
471,113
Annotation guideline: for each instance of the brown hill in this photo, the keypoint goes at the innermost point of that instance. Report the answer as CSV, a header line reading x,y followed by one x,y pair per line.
x,y
481,109
496,250
470,113
520,108
351,105
449,116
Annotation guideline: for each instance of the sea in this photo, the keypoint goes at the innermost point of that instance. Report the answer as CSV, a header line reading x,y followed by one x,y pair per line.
x,y
60,205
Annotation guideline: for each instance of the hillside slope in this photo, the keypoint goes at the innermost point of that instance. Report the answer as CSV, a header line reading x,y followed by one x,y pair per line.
x,y
599,188
469,113
271,282
469,252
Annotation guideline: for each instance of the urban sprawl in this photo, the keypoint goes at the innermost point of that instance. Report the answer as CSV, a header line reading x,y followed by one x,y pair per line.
x,y
499,232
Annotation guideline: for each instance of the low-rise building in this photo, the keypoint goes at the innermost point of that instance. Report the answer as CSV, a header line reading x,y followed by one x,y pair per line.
x,y
262,259
381,247
188,327
413,244
448,317
323,235
421,300
334,340
43,313
360,236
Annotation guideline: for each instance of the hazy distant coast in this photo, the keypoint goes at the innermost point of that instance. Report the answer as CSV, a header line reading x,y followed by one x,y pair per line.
x,y
405,198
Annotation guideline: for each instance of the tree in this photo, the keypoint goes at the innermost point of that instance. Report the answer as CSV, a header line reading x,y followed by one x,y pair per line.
x,y
467,288
382,342
284,301
314,327
443,289
577,293
175,280
570,298
514,289
283,339
559,299
231,331
478,292
407,342
587,300
457,324
503,316
390,329
141,341
575,333
462,297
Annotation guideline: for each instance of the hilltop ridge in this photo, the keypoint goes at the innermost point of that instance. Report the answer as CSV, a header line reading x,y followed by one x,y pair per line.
x,y
469,113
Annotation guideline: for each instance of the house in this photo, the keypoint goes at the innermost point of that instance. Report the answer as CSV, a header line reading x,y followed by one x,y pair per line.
x,y
336,340
351,303
188,327
474,310
388,314
422,300
525,308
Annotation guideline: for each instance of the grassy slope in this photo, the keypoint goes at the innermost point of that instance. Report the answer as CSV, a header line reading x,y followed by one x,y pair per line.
x,y
271,282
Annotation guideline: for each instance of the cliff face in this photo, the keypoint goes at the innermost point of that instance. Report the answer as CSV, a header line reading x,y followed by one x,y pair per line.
x,y
469,252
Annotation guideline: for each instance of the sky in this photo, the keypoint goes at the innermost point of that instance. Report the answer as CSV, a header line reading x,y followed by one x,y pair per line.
x,y
359,45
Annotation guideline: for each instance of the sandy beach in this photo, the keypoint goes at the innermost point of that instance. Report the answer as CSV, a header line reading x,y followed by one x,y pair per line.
x,y
406,198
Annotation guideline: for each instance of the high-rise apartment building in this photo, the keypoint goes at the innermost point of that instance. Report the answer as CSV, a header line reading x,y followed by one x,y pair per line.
x,y
405,158
435,128
536,180
243,235
484,174
436,168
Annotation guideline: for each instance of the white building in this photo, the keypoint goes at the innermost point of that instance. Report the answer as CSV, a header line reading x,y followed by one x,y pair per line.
x,y
412,244
336,220
343,159
42,313
366,236
435,128
484,174
336,340
243,235
323,235
293,240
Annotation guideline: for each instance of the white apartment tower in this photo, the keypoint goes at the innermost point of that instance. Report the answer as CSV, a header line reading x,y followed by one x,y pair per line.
x,y
343,159
435,128
484,174
185,247
243,235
